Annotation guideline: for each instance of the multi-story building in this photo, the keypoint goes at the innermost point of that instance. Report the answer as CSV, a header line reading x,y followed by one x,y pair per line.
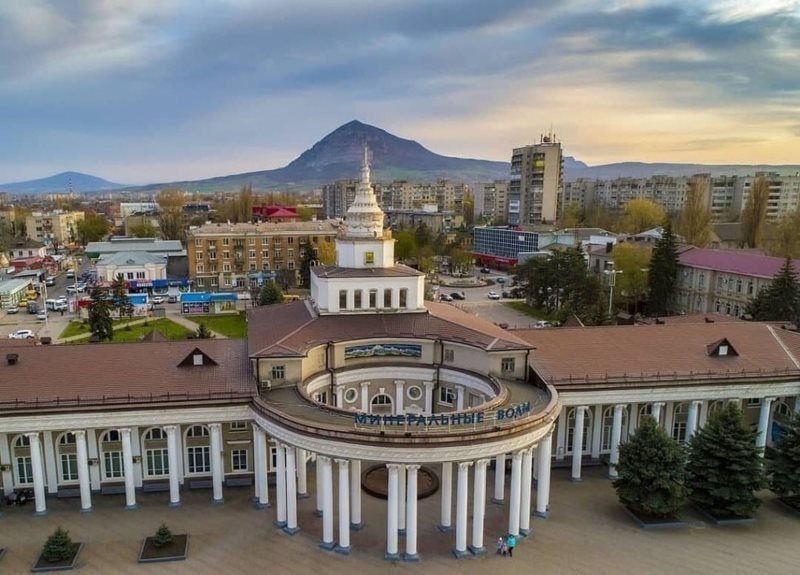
x,y
129,208
337,197
429,216
723,281
54,228
501,246
784,193
239,256
535,183
494,200
580,192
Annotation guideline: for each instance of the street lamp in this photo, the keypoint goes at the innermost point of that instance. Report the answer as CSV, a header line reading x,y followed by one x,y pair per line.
x,y
612,280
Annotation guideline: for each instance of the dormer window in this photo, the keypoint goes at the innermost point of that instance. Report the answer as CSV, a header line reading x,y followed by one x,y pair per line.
x,y
721,348
196,358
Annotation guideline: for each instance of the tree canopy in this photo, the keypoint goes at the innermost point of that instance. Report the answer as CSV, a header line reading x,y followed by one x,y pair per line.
x,y
143,230
270,294
100,322
662,276
641,215
780,300
119,297
694,221
783,464
170,213
93,228
305,265
754,213
632,260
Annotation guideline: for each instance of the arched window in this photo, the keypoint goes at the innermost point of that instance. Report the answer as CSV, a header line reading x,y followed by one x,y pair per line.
x,y
67,458
381,403
111,455
110,436
155,433
679,419
608,424
155,455
23,467
197,431
587,429
67,439
22,441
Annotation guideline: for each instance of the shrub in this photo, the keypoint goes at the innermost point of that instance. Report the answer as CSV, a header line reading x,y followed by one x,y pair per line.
x,y
651,473
58,546
163,536
725,467
783,464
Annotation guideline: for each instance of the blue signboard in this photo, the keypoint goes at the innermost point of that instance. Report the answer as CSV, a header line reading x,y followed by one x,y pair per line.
x,y
382,350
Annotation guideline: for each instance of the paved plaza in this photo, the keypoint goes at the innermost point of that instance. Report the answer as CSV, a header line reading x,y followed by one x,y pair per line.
x,y
587,532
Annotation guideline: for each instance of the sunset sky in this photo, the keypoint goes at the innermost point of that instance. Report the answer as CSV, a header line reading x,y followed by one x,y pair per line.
x,y
157,90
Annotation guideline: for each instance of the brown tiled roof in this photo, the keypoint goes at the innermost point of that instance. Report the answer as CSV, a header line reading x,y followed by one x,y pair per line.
x,y
692,318
48,372
397,270
292,329
566,356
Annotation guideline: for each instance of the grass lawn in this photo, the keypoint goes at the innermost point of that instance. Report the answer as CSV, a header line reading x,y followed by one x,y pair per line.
x,y
76,327
523,307
229,325
165,327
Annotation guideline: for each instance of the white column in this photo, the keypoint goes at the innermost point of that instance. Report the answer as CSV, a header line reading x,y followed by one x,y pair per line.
x,y
365,396
6,476
763,422
318,473
355,495
38,474
656,411
633,415
302,473
525,492
429,397
561,436
597,431
344,506
260,448
445,523
399,395
172,457
616,435
460,398
391,513
479,507
136,449
49,462
216,462
291,492
577,443
543,457
691,418
94,470
340,396
514,494
704,407
127,468
280,486
499,478
669,413
327,502
411,514
83,470
462,501
797,404
401,500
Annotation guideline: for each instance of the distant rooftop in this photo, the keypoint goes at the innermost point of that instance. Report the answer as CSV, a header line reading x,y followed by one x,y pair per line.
x,y
264,227
124,244
735,262
130,258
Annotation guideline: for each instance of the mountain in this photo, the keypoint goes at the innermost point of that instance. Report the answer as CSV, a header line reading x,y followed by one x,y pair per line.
x,y
60,183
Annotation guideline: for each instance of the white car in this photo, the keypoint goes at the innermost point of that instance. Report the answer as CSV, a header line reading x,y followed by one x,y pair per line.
x,y
22,334
157,300
42,315
493,295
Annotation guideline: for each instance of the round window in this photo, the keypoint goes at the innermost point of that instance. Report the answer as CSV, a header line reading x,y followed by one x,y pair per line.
x,y
350,395
414,392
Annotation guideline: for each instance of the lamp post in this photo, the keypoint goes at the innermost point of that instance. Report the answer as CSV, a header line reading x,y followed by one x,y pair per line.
x,y
612,280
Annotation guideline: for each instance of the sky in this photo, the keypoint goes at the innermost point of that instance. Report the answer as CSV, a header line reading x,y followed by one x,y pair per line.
x,y
160,90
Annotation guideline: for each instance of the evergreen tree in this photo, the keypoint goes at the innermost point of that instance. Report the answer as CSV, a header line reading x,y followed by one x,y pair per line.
x,y
270,294
119,295
662,277
725,467
100,314
783,464
58,546
305,265
203,332
651,472
163,536
779,301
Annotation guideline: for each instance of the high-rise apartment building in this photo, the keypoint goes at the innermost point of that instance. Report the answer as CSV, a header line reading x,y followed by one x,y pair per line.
x,y
56,228
337,197
240,256
494,200
535,183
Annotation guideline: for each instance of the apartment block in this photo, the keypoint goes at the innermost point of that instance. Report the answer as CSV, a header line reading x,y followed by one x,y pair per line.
x,y
535,183
54,228
337,197
494,200
225,257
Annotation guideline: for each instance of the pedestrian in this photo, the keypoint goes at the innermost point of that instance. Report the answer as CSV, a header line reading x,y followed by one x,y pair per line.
x,y
511,542
504,549
499,546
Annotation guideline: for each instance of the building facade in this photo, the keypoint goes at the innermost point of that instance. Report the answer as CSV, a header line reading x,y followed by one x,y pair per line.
x,y
139,266
535,183
494,201
56,228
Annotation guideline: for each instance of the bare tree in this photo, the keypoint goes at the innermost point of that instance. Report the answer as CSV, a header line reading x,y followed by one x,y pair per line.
x,y
694,222
755,213
170,213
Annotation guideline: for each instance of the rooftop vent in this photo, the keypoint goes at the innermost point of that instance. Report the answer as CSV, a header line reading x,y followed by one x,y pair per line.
x,y
12,358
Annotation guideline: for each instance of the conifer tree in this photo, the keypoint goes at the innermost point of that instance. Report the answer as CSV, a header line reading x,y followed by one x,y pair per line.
x,y
662,277
651,473
783,464
163,536
58,546
779,301
725,467
305,265
119,294
270,294
100,314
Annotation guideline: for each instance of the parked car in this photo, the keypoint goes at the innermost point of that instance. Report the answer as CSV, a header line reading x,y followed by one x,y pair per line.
x,y
501,280
157,300
50,281
172,299
446,297
72,289
458,295
22,334
485,270
33,307
42,315
493,295
12,309
542,324
70,274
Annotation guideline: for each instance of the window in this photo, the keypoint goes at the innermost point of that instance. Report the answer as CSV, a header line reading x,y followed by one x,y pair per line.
x,y
449,355
251,241
290,254
252,267
351,395
273,457
67,439
139,275
24,470
414,392
750,287
369,258
739,285
199,459
387,298
290,265
226,267
112,465
264,241
157,462
238,426
251,254
381,402
278,372
290,240
342,299
373,298
321,397
212,256
156,433
447,395
212,282
507,364
226,255
69,467
679,423
753,402
587,427
197,430
198,243
110,436
129,275
198,268
226,241
239,460
403,297
357,299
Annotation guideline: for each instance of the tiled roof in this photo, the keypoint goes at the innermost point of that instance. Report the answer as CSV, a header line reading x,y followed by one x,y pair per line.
x,y
734,261
137,258
224,229
565,356
397,270
292,329
45,373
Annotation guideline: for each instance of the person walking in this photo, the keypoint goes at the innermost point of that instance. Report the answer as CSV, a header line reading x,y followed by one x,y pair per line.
x,y
499,546
511,542
504,551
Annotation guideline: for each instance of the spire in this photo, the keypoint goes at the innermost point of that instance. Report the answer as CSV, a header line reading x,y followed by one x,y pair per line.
x,y
364,217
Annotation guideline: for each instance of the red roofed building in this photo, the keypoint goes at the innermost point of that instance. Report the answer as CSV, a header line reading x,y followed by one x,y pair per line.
x,y
275,214
723,281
